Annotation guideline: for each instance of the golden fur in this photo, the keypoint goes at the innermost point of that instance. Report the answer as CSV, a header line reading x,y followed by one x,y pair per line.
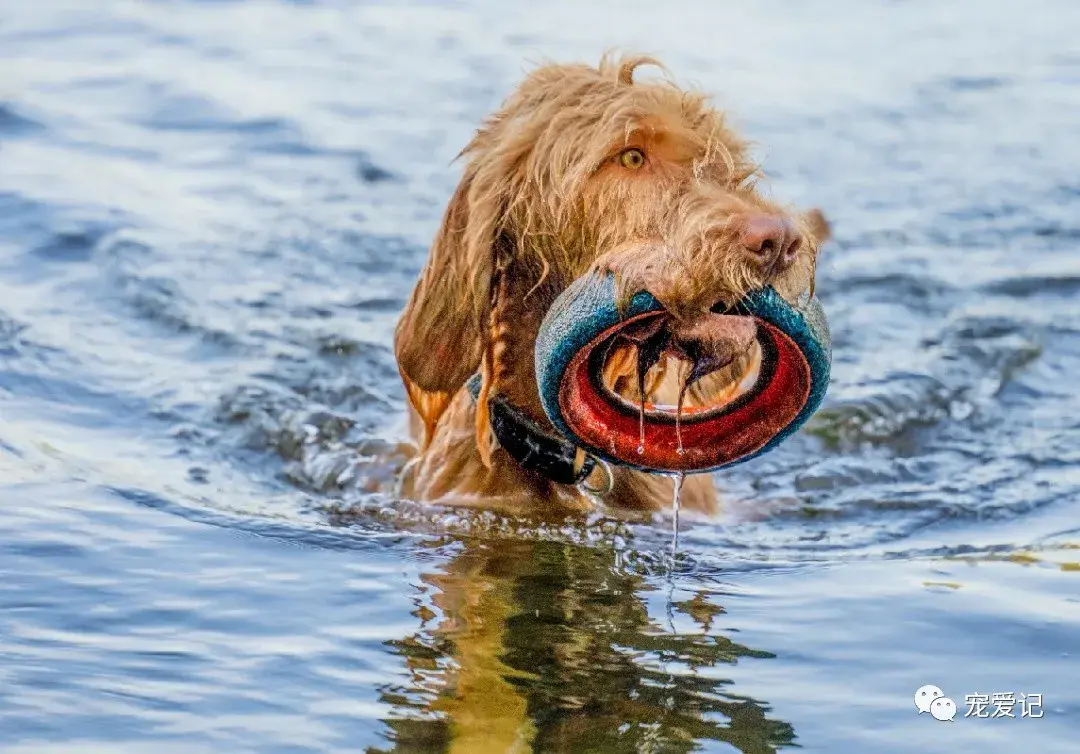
x,y
545,198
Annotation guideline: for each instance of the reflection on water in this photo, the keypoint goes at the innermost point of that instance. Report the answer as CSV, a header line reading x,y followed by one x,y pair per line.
x,y
525,646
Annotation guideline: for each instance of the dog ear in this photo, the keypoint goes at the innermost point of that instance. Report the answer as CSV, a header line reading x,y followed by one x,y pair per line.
x,y
817,224
442,336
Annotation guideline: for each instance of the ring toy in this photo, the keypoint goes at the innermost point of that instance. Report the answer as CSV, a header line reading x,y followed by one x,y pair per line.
x,y
792,378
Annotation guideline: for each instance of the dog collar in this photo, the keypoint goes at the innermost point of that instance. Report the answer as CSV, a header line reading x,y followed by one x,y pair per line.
x,y
527,443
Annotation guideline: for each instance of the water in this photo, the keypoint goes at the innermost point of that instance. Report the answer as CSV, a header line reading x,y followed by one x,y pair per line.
x,y
676,490
210,216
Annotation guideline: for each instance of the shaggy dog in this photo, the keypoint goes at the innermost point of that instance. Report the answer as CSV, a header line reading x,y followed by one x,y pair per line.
x,y
582,169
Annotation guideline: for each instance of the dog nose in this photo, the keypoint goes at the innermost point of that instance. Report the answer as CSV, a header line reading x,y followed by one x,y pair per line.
x,y
772,239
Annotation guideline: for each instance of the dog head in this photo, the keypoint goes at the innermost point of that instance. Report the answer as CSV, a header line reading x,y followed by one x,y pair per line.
x,y
583,168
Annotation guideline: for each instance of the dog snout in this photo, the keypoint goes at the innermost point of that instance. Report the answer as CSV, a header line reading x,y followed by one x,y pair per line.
x,y
772,240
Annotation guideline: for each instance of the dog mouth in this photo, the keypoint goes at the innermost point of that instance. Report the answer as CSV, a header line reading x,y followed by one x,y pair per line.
x,y
665,368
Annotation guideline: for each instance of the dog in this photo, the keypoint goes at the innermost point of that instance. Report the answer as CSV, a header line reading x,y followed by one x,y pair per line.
x,y
582,169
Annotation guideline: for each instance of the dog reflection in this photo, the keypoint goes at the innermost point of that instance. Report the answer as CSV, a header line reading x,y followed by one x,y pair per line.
x,y
538,646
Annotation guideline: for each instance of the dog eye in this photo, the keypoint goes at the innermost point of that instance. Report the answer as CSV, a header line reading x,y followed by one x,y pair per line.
x,y
632,159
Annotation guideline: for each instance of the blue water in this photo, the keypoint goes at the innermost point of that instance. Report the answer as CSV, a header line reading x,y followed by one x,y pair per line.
x,y
210,216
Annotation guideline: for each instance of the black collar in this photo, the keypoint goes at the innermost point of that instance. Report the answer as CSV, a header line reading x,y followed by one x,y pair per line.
x,y
528,444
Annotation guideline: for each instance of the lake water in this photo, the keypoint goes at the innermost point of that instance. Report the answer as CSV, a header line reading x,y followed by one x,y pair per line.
x,y
211,214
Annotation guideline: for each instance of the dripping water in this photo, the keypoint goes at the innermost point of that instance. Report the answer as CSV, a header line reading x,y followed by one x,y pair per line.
x,y
651,342
676,492
678,416
641,411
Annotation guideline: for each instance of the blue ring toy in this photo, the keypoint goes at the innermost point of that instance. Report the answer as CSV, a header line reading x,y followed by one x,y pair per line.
x,y
796,359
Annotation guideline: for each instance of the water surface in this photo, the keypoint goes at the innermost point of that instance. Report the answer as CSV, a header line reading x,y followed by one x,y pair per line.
x,y
211,214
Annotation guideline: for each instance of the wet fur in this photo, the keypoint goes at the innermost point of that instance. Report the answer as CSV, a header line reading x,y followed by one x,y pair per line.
x,y
543,199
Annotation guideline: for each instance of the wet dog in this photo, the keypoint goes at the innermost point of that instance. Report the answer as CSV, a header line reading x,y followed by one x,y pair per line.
x,y
586,169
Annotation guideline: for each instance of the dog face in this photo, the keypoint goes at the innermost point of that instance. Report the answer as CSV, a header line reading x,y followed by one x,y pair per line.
x,y
586,169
